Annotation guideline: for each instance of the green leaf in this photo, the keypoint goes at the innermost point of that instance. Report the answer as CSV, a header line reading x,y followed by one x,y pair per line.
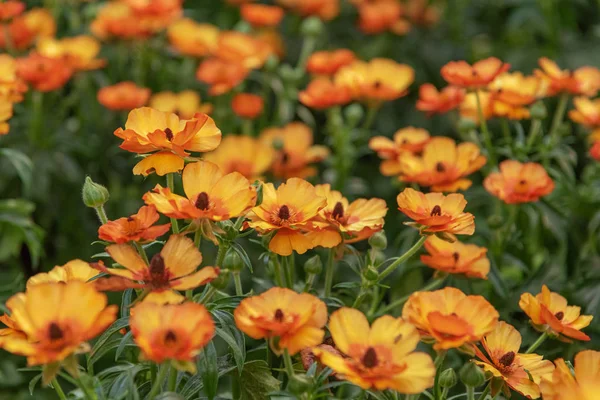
x,y
243,255
33,383
207,367
256,381
23,165
99,345
126,341
126,302
232,336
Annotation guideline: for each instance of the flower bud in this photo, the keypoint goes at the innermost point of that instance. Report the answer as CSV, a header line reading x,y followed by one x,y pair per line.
x,y
233,261
495,221
221,281
371,273
448,378
300,383
93,194
378,241
538,111
311,26
272,63
466,125
354,113
313,265
471,375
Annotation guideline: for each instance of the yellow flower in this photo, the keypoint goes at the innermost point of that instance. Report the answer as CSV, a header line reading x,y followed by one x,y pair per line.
x,y
6,113
289,212
193,39
521,372
297,320
381,356
585,385
249,156
406,141
58,319
456,258
11,86
75,270
450,317
79,52
586,112
185,103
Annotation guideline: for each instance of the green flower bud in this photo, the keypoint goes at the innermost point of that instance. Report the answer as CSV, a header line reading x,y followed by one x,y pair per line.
x,y
466,125
378,241
538,111
287,73
354,113
313,265
300,384
471,375
448,378
312,26
233,261
272,63
221,281
371,273
495,221
93,194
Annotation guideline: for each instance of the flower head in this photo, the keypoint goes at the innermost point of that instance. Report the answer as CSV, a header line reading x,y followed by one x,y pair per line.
x,y
443,165
519,183
23,30
77,52
74,270
435,212
210,194
329,62
583,81
287,211
123,96
586,112
450,317
322,93
433,101
51,317
297,320
521,372
480,74
513,92
173,268
185,104
562,385
118,19
222,76
595,150
324,9
45,74
406,141
247,105
193,39
171,331
549,311
456,258
243,49
381,356
261,15
148,130
378,16
249,156
135,228
12,86
294,150
468,109
10,9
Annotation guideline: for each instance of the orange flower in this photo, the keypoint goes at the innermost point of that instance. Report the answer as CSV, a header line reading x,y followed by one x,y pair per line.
x,y
77,52
12,86
12,330
136,228
521,372
433,101
295,150
193,39
512,92
421,12
287,211
6,113
185,103
550,313
443,166
221,75
381,356
378,16
356,221
123,96
50,315
247,105
148,130
450,317
175,332
586,112
261,15
595,151
74,270
583,81
322,93
210,194
434,212
241,48
456,258
519,183
25,29
378,80
480,74
329,62
43,73
406,140
10,9
117,19
163,8
249,156
562,385
324,9
296,319
173,268
468,108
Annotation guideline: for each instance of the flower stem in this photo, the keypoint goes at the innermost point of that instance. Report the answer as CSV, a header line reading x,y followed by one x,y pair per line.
x,y
558,118
370,118
329,272
37,104
239,291
308,46
223,247
101,214
209,294
485,391
58,389
287,272
158,382
171,186
198,238
398,303
470,393
85,390
487,139
534,130
172,386
289,366
142,252
277,271
402,258
537,343
247,127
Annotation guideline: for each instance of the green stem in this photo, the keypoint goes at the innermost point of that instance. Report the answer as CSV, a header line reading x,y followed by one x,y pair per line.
x,y
37,111
289,366
557,120
287,273
485,391
239,291
223,247
470,393
171,186
142,252
158,382
198,238
374,302
342,146
58,389
247,129
101,214
506,131
308,45
310,280
400,302
537,343
370,118
277,271
209,294
359,299
404,257
329,272
487,139
86,391
172,385
534,130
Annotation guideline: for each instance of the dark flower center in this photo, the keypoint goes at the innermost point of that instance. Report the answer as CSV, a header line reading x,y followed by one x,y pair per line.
x,y
522,182
54,332
369,359
559,315
285,157
456,256
437,210
278,315
284,212
170,337
169,134
157,265
377,84
507,359
130,219
202,201
338,211
439,167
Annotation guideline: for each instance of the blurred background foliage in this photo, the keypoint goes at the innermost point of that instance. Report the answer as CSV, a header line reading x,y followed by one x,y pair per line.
x,y
43,222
